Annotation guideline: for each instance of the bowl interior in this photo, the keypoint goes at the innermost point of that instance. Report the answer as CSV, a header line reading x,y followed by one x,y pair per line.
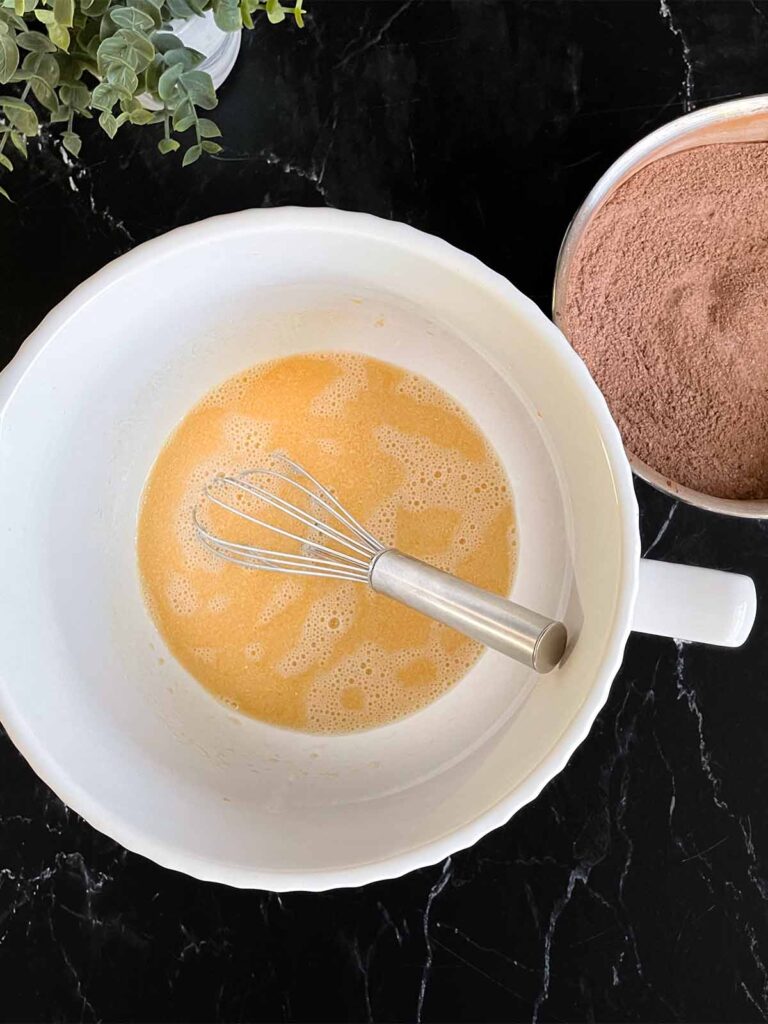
x,y
88,691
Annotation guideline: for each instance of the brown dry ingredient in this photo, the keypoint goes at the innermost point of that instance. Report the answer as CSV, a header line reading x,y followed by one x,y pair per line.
x,y
668,306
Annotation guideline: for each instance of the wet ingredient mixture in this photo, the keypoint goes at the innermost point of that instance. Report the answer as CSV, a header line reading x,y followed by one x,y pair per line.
x,y
314,654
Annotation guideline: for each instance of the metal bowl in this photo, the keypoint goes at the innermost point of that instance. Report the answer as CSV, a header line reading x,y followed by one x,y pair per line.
x,y
742,120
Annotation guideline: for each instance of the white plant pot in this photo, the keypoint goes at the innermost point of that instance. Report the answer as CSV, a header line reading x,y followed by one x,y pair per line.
x,y
203,34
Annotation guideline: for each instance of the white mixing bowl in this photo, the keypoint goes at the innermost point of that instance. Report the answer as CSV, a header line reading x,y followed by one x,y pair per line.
x,y
105,715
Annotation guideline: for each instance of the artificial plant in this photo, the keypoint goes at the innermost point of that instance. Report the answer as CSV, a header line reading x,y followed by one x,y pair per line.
x,y
62,60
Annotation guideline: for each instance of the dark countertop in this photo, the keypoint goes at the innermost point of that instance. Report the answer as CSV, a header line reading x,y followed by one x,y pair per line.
x,y
636,887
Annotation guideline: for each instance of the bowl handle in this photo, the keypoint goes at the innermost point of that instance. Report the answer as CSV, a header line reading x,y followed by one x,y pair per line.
x,y
690,603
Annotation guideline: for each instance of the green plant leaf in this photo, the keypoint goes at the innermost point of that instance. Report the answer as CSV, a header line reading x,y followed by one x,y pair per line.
x,y
13,103
108,123
42,66
199,87
168,85
167,146
97,9
75,95
9,58
192,154
5,162
4,194
152,77
152,9
207,129
50,101
35,41
210,147
126,50
275,11
165,41
21,116
11,20
184,56
180,9
141,115
227,15
123,80
46,17
245,14
104,97
19,142
133,18
140,44
59,35
72,142
298,13
182,122
113,50
64,12
44,94
18,7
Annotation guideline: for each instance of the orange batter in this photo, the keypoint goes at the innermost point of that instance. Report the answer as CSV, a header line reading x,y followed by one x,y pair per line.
x,y
312,654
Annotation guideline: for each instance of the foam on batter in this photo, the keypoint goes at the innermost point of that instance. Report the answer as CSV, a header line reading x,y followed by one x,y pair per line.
x,y
181,595
431,475
246,434
346,385
328,619
329,446
284,592
359,688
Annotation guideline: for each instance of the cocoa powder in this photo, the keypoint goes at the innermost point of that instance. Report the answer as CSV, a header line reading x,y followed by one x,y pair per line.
x,y
667,304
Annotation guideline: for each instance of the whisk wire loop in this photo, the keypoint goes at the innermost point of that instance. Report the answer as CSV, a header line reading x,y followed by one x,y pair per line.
x,y
292,510
244,552
341,512
347,556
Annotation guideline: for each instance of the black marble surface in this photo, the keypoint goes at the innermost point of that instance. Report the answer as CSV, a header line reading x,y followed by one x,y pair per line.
x,y
636,887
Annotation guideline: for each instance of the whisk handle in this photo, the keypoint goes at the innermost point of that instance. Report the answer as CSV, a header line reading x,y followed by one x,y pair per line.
x,y
524,635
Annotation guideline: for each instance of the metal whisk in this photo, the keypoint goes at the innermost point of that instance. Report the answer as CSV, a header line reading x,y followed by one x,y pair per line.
x,y
333,544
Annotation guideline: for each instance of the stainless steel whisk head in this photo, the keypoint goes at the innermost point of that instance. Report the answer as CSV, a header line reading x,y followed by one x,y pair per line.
x,y
353,548
334,545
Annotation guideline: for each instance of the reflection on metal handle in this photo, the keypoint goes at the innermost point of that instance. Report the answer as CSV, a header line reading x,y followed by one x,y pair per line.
x,y
521,634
